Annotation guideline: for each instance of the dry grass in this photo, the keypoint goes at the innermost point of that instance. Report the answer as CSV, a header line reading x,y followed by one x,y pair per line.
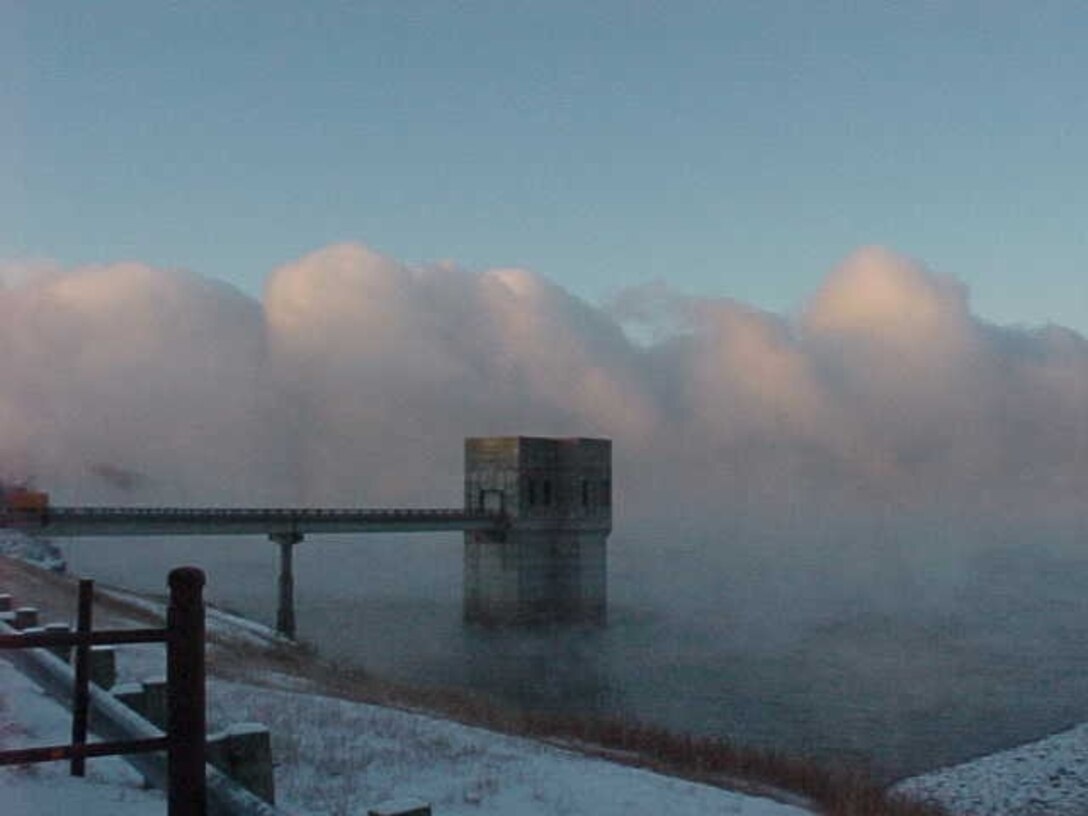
x,y
832,791
835,792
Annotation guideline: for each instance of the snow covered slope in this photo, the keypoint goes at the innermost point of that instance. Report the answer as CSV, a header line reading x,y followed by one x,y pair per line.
x,y
335,756
29,719
341,757
1045,777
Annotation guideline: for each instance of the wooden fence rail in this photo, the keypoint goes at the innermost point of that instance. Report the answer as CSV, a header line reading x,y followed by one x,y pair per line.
x,y
185,736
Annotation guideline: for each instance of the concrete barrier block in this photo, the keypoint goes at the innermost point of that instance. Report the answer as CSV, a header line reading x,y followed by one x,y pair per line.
x,y
60,651
7,603
132,695
26,617
244,753
63,652
103,667
155,706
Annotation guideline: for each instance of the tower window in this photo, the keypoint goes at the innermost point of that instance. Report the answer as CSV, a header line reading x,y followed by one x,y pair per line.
x,y
532,492
585,493
547,492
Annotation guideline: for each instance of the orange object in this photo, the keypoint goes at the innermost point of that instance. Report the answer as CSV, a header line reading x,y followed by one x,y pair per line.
x,y
26,500
20,506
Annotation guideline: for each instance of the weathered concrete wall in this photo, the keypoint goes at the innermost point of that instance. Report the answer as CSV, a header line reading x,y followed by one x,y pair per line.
x,y
550,564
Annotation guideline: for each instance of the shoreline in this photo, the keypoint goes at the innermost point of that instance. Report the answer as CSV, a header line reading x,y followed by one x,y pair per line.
x,y
242,650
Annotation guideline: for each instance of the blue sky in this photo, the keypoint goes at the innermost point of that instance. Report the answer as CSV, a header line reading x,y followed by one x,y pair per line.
x,y
728,148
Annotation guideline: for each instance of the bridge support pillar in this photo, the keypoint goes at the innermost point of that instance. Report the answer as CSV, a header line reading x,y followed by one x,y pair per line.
x,y
285,611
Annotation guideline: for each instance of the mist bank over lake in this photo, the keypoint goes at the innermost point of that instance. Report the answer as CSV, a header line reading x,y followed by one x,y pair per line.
x,y
354,380
809,507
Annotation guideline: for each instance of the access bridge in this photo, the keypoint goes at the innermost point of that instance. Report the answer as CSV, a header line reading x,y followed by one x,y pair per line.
x,y
70,522
536,518
285,527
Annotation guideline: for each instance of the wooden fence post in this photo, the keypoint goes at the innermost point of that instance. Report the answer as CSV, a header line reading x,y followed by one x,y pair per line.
x,y
81,695
185,693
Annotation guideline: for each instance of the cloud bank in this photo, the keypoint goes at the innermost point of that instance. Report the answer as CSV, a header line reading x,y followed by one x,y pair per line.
x,y
810,507
355,378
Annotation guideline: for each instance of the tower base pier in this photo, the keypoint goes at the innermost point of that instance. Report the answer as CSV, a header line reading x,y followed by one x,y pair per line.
x,y
549,565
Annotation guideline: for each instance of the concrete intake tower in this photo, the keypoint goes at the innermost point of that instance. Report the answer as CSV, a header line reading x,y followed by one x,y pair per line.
x,y
548,563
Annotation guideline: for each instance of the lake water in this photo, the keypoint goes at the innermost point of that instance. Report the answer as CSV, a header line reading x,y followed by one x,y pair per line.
x,y
915,672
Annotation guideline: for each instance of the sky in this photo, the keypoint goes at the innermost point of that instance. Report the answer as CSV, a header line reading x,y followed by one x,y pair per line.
x,y
817,269
783,253
738,149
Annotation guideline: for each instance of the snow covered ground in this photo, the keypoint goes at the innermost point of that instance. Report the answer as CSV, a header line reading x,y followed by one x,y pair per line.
x,y
1045,777
339,757
29,719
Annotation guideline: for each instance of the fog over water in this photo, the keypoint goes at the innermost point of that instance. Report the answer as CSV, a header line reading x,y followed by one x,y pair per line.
x,y
852,530
902,681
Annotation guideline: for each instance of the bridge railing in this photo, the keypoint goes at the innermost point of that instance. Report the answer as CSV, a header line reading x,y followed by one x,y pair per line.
x,y
420,512
82,520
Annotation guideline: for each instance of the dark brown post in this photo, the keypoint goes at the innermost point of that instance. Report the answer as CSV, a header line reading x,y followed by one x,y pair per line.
x,y
185,693
81,695
285,612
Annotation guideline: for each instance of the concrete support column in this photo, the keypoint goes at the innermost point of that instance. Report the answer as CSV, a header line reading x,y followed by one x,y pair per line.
x,y
132,695
148,699
103,666
155,704
244,753
63,652
285,612
26,617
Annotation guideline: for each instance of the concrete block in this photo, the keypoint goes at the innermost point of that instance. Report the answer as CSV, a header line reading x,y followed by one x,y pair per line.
x,y
132,695
26,617
60,651
155,706
63,652
6,602
103,666
244,753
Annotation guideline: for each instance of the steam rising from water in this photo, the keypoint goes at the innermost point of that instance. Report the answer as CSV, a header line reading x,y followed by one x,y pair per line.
x,y
783,481
881,425
356,378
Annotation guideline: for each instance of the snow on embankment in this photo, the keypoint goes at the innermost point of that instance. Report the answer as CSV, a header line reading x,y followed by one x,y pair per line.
x,y
29,719
40,551
1049,777
339,756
